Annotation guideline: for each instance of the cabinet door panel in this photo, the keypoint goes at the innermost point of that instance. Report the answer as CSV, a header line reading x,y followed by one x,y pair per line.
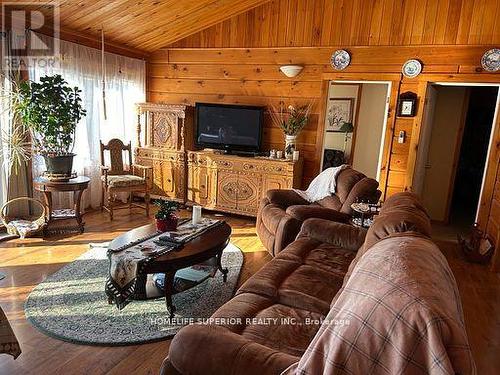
x,y
168,184
199,185
270,182
227,190
248,193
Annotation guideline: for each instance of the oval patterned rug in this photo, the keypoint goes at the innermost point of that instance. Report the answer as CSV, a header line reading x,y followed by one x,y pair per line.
x,y
71,304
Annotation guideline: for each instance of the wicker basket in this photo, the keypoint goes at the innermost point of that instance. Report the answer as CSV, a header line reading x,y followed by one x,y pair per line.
x,y
21,227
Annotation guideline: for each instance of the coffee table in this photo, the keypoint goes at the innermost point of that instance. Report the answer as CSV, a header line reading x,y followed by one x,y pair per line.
x,y
206,246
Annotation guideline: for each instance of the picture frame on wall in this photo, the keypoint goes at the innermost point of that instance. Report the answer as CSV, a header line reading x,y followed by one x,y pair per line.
x,y
339,112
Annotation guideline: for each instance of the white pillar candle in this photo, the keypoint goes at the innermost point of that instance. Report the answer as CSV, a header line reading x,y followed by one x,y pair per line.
x,y
196,214
296,155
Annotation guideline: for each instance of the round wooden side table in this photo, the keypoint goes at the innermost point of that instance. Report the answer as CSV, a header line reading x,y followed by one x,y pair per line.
x,y
77,186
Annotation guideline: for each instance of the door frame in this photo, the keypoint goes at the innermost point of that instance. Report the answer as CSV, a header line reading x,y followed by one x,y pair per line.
x,y
493,153
394,81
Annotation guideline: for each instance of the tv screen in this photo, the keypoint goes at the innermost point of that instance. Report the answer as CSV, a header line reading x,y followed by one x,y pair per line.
x,y
228,127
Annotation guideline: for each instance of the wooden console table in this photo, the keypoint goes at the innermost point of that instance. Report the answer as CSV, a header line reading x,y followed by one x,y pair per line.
x,y
236,184
77,186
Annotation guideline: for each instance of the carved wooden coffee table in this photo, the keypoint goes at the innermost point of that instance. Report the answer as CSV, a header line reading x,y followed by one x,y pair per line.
x,y
206,246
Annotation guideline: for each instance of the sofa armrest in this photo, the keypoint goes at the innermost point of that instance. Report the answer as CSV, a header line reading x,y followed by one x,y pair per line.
x,y
212,349
337,234
303,213
285,198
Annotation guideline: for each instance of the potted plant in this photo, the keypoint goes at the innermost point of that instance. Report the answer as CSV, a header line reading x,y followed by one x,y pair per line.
x,y
291,121
52,109
166,219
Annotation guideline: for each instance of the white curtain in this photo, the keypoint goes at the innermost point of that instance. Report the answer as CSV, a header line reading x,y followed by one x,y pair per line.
x,y
125,85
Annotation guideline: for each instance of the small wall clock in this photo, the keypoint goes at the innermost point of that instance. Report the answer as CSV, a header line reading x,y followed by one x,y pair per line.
x,y
412,68
407,104
491,60
340,59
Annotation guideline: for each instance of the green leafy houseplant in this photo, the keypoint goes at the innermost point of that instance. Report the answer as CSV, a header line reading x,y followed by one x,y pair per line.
x,y
52,110
166,219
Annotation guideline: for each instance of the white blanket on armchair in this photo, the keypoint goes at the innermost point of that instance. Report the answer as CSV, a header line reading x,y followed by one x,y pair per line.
x,y
323,184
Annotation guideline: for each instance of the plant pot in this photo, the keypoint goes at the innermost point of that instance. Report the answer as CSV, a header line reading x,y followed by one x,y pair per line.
x,y
59,164
290,141
167,225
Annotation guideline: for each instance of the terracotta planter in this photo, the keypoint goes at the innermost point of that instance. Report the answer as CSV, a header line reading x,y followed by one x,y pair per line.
x,y
167,225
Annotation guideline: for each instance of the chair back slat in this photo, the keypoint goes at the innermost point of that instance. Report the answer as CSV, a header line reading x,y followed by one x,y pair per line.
x,y
116,150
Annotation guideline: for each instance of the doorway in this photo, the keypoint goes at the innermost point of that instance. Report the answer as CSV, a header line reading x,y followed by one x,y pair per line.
x,y
355,124
455,142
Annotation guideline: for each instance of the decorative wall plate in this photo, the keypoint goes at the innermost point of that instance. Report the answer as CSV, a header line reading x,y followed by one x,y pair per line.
x,y
412,68
340,59
491,60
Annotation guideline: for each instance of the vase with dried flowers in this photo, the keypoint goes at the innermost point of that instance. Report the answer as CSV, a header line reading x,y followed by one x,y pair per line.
x,y
291,120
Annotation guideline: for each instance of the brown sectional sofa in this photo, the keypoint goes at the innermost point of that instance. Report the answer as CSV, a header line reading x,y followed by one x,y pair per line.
x,y
282,212
272,321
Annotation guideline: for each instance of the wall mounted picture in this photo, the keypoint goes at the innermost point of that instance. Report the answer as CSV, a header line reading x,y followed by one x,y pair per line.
x,y
339,113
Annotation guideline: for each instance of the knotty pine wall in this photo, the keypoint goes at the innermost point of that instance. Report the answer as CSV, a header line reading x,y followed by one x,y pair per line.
x,y
251,76
237,61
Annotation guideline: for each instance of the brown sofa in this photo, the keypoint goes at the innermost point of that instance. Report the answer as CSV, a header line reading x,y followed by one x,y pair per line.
x,y
278,315
282,212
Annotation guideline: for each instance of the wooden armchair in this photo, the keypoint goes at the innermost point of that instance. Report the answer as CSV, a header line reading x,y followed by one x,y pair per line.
x,y
122,178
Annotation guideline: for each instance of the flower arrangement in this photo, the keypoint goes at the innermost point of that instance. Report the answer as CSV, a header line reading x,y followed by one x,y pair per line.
x,y
292,119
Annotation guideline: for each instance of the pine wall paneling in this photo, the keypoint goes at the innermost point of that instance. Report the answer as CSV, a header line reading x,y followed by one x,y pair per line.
x,y
251,76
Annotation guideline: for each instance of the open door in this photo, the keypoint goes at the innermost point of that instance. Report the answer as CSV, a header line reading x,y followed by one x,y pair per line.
x,y
423,150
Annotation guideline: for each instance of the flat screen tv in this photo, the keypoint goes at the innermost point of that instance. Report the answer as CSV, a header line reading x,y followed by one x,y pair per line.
x,y
229,127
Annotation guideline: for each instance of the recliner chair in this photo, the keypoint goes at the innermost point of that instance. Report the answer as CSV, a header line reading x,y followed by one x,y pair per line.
x,y
282,212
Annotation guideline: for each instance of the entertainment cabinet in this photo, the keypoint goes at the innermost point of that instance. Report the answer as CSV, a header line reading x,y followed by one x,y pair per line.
x,y
215,181
236,184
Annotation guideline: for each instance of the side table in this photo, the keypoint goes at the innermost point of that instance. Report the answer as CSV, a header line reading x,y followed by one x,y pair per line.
x,y
363,214
77,186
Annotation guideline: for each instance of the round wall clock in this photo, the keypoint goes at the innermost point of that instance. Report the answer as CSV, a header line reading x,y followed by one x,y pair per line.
x,y
491,60
340,59
412,68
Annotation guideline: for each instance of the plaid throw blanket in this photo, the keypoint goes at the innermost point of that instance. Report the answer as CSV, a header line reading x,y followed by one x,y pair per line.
x,y
126,278
401,314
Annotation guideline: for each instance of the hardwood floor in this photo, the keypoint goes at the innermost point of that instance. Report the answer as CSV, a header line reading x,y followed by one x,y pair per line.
x,y
27,262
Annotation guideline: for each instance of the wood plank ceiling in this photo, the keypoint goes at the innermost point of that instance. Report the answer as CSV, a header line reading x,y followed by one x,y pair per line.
x,y
144,25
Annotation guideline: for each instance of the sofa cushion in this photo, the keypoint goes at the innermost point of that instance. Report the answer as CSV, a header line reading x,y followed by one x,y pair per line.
x,y
271,217
346,180
261,319
306,275
332,202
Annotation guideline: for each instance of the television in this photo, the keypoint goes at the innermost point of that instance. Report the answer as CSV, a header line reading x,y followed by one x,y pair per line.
x,y
229,127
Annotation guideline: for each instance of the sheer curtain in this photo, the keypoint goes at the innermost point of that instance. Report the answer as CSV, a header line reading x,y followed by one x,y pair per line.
x,y
125,85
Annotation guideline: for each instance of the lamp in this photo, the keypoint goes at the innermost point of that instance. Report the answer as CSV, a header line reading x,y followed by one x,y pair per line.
x,y
346,128
291,70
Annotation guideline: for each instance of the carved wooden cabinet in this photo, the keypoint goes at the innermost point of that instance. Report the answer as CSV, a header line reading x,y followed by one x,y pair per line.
x,y
161,144
236,184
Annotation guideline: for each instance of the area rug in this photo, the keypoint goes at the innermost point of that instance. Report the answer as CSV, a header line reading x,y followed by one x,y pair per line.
x,y
71,304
